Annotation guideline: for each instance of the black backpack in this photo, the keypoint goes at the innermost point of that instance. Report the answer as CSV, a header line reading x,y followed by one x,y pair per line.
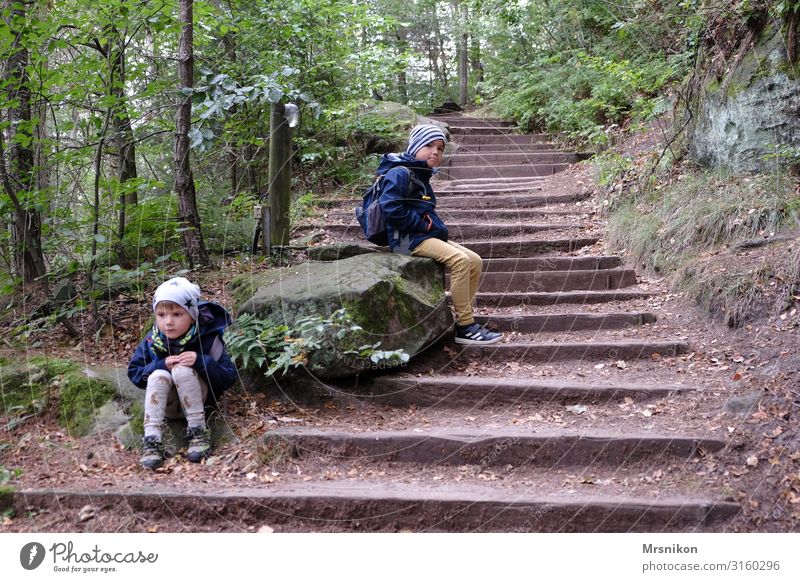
x,y
370,213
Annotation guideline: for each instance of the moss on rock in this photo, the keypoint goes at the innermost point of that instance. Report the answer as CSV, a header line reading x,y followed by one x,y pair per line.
x,y
27,388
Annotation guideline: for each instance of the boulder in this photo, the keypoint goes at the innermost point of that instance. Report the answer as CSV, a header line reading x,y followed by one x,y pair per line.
x,y
397,300
743,111
340,251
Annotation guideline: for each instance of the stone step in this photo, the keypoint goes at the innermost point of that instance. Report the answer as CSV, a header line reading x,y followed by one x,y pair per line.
x,y
488,215
564,351
461,121
477,129
551,264
482,199
520,170
471,391
489,249
491,446
502,201
467,230
508,158
548,323
521,189
500,139
490,182
464,148
499,300
544,281
367,506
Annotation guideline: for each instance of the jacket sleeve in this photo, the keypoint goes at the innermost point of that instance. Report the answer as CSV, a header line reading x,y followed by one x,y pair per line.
x,y
218,369
397,214
142,365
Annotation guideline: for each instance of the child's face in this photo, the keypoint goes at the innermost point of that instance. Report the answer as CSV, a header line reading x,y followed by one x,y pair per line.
x,y
172,319
431,153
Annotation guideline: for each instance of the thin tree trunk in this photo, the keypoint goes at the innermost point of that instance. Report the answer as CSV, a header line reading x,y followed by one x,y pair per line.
x,y
184,180
475,59
18,178
402,81
123,139
441,51
462,14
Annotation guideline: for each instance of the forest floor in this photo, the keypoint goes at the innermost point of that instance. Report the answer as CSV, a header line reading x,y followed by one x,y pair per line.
x,y
760,468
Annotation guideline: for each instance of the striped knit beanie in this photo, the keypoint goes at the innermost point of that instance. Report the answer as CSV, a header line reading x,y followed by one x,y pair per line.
x,y
421,136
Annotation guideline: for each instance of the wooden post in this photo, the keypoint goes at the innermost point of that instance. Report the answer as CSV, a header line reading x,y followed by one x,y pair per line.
x,y
266,231
280,174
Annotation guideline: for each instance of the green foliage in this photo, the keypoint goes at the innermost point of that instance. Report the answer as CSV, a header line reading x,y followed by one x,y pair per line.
x,y
582,94
255,342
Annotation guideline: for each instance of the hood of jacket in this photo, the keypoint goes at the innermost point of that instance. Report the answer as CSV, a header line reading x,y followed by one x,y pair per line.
x,y
213,318
420,168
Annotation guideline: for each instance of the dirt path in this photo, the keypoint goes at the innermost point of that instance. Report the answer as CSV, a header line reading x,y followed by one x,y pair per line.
x,y
602,409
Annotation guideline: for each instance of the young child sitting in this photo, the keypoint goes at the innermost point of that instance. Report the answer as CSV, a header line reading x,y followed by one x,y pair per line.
x,y
182,364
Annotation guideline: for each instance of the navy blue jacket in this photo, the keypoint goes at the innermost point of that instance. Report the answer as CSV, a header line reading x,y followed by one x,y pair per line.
x,y
410,218
212,364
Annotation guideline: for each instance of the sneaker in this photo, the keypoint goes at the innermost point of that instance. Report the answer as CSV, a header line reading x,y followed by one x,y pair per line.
x,y
199,443
152,452
475,333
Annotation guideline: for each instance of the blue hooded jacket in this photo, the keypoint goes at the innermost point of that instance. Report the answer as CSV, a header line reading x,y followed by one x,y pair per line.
x,y
212,364
410,219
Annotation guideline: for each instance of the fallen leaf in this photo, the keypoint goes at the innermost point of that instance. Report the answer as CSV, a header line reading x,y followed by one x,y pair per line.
x,y
576,409
86,513
778,431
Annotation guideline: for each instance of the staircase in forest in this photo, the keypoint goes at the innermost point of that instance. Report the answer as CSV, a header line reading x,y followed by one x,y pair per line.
x,y
532,434
485,438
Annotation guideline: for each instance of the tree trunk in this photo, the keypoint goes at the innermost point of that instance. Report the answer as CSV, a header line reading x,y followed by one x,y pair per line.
x,y
441,52
18,178
462,15
402,81
475,59
184,180
123,142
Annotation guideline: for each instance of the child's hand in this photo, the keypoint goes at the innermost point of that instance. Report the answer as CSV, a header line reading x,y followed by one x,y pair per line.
x,y
183,359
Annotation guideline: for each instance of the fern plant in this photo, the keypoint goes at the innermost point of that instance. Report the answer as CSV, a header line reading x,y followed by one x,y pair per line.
x,y
256,343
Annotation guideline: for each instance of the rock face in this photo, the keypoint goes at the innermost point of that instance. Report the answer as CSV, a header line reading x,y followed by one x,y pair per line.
x,y
398,300
742,114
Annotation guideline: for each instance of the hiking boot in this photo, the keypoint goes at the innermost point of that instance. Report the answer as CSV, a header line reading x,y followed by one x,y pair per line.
x,y
476,334
199,443
152,452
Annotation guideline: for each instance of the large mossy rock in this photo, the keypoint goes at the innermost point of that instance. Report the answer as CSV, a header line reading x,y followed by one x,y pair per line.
x,y
746,103
398,300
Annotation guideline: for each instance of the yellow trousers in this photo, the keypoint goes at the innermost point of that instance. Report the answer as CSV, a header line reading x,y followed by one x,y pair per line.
x,y
465,272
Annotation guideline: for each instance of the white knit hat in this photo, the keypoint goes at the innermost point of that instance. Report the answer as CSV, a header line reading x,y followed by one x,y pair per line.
x,y
421,136
180,291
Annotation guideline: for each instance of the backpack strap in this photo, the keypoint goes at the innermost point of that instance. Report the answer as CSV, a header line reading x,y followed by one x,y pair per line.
x,y
412,181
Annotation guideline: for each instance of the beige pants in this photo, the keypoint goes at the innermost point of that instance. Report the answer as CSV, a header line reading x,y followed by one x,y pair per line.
x,y
465,272
177,394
